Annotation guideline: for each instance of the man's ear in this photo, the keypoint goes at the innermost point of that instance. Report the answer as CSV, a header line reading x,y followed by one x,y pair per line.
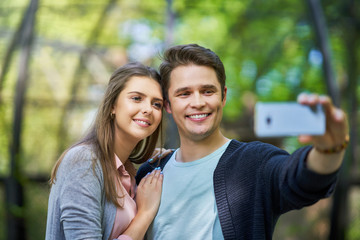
x,y
224,96
167,106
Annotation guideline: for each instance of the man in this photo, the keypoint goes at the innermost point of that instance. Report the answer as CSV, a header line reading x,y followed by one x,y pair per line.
x,y
217,188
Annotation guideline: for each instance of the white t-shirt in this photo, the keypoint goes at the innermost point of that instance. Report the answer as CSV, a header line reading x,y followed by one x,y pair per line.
x,y
188,209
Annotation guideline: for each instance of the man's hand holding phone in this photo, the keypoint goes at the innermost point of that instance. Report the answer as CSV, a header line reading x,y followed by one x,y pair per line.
x,y
328,151
336,135
314,120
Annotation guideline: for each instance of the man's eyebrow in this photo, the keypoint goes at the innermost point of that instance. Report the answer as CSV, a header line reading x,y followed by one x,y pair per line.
x,y
209,86
206,86
181,89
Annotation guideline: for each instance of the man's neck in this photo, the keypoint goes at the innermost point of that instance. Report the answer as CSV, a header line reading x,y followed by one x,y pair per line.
x,y
191,150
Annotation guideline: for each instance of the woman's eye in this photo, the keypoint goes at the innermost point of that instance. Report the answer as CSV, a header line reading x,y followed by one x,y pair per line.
x,y
136,98
158,105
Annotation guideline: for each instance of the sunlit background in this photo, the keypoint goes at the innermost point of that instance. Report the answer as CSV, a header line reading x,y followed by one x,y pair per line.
x,y
56,58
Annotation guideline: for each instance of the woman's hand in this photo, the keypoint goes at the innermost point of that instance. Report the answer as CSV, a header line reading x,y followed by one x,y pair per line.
x,y
159,153
149,193
147,200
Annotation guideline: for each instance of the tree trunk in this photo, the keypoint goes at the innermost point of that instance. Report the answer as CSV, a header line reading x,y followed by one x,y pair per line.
x,y
14,188
172,135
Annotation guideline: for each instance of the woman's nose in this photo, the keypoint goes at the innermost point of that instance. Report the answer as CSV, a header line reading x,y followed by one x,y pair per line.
x,y
147,108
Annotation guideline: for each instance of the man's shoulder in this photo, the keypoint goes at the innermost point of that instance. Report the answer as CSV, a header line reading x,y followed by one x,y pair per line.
x,y
250,151
147,167
236,145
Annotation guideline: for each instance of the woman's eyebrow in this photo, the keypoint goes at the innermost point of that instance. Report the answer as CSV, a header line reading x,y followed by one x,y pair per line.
x,y
159,99
142,94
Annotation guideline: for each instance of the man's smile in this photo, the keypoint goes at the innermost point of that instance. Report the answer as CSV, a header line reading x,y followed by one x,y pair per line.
x,y
198,116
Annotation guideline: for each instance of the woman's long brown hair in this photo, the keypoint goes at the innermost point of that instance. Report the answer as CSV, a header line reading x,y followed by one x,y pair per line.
x,y
101,134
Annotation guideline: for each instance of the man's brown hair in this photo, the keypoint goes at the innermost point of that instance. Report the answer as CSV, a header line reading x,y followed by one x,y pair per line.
x,y
182,55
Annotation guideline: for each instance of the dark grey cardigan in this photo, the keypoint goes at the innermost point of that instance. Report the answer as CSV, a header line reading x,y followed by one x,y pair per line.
x,y
254,183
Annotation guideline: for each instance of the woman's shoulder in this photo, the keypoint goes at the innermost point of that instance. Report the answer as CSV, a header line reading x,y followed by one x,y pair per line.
x,y
81,156
83,150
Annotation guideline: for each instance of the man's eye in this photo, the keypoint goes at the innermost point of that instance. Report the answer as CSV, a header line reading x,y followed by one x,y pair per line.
x,y
184,94
208,92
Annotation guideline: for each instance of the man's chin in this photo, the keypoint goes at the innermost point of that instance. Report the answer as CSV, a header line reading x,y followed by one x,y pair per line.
x,y
199,135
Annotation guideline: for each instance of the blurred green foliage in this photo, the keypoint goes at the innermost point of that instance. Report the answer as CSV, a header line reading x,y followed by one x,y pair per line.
x,y
268,48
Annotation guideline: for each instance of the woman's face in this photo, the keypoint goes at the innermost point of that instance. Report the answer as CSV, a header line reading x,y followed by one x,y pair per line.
x,y
138,108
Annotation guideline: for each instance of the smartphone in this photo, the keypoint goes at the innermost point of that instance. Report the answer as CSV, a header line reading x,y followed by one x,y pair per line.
x,y
288,119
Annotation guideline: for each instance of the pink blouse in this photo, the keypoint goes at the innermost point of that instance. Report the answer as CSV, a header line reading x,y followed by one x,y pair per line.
x,y
125,214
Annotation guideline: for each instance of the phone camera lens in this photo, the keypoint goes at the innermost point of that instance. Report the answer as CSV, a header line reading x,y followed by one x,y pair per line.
x,y
268,120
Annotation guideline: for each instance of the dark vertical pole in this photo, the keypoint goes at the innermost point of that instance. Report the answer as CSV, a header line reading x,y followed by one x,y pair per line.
x,y
170,19
14,43
14,189
340,209
339,212
352,41
172,135
79,71
323,42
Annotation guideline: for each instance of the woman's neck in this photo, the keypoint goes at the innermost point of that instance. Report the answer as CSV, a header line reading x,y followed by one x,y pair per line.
x,y
123,147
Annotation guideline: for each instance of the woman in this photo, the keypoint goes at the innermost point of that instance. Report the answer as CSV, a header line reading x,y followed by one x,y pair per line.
x,y
92,184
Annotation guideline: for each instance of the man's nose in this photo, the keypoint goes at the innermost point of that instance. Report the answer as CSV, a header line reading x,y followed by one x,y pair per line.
x,y
197,100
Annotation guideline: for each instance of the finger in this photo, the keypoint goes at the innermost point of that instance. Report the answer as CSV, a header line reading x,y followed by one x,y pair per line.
x,y
301,98
305,139
308,99
336,119
327,105
332,111
158,178
153,174
164,153
338,115
313,99
323,99
144,179
337,126
156,152
161,153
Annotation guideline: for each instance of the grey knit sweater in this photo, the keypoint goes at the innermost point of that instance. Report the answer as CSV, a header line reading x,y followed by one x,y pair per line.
x,y
77,206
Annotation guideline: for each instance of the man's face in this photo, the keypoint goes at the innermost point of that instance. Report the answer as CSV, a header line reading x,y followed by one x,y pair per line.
x,y
195,101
